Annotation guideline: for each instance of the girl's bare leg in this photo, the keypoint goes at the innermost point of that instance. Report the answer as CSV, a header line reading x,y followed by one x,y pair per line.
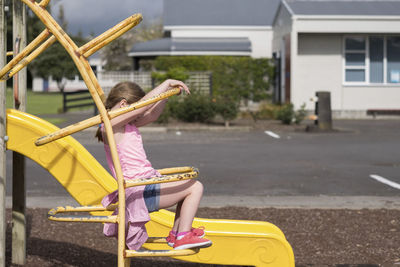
x,y
189,193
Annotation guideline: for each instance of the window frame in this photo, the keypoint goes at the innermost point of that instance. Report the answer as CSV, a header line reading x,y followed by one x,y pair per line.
x,y
366,67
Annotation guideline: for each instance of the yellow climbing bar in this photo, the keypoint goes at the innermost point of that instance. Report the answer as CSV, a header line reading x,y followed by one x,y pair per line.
x,y
102,40
161,253
97,119
58,214
31,57
28,49
164,179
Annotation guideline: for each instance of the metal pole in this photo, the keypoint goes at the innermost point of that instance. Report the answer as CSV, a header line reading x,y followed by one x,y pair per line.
x,y
19,190
3,134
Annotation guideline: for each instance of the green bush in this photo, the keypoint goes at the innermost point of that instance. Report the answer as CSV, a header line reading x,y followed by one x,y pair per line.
x,y
177,73
170,110
227,107
300,114
240,78
195,108
287,114
268,111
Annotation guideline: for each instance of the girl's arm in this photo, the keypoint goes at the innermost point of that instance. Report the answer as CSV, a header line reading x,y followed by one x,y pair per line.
x,y
151,112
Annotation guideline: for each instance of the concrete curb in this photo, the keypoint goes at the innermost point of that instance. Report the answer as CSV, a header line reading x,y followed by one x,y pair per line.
x,y
279,202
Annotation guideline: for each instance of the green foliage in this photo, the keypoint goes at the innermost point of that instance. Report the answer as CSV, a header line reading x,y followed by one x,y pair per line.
x,y
116,55
195,108
227,108
177,73
239,78
170,110
55,61
287,114
300,114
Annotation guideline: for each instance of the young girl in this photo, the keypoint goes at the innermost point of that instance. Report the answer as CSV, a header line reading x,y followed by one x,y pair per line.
x,y
141,200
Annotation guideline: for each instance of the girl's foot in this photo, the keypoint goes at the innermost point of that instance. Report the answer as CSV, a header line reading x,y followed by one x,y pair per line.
x,y
189,240
199,232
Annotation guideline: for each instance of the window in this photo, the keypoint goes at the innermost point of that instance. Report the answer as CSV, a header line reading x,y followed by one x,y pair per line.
x,y
372,60
355,56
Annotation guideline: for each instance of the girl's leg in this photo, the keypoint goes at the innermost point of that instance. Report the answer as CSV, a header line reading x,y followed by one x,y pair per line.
x,y
177,216
189,193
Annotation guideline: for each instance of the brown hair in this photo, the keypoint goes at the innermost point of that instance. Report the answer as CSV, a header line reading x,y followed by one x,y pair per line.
x,y
129,91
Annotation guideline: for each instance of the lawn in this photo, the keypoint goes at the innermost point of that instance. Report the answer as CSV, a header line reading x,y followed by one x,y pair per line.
x,y
44,105
39,103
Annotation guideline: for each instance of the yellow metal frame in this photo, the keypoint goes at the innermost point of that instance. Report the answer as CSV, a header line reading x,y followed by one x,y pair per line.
x,y
54,33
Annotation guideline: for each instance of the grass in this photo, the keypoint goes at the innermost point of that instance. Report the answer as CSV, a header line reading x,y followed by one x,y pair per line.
x,y
39,103
43,104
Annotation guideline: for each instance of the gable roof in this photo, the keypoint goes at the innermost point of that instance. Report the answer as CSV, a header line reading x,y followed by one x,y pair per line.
x,y
345,7
219,12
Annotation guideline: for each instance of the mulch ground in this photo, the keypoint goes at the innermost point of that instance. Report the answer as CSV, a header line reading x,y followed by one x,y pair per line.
x,y
344,238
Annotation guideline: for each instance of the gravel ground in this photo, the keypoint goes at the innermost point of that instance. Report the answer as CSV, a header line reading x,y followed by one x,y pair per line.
x,y
345,238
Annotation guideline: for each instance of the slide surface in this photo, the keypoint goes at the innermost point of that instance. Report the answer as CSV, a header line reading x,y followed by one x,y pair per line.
x,y
234,242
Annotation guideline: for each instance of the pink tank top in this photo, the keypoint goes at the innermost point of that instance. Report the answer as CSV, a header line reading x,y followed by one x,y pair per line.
x,y
132,156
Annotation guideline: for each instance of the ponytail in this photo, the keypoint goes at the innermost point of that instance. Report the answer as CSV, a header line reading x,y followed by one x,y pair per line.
x,y
129,91
99,134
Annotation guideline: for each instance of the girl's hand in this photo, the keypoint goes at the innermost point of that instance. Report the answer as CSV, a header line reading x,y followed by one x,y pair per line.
x,y
179,84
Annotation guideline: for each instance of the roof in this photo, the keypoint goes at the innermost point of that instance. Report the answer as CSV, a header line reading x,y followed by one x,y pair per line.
x,y
193,46
219,12
345,7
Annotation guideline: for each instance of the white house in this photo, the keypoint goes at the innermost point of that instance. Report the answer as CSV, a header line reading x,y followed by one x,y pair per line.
x,y
49,85
213,27
350,48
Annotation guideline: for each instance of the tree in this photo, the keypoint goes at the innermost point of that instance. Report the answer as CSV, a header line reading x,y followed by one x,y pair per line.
x,y
55,61
116,53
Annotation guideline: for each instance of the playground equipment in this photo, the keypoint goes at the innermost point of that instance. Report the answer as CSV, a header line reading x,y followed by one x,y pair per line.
x,y
235,242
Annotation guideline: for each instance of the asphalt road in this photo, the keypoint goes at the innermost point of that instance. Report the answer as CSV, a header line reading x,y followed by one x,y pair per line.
x,y
240,163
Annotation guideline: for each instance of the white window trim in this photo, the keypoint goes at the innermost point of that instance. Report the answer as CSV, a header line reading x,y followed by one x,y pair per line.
x,y
366,67
366,62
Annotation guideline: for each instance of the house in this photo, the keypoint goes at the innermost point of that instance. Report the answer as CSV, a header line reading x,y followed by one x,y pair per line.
x,y
349,48
213,27
49,85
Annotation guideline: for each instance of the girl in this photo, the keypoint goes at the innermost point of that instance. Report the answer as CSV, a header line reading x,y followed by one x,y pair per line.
x,y
141,200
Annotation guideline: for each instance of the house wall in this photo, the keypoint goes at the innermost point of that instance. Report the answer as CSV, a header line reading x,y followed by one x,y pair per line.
x,y
260,37
282,27
319,67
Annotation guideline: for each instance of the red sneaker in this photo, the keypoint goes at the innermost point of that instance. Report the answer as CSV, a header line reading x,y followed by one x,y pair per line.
x,y
191,241
199,232
171,239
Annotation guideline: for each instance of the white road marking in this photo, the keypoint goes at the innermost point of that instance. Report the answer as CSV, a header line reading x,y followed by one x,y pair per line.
x,y
272,134
385,181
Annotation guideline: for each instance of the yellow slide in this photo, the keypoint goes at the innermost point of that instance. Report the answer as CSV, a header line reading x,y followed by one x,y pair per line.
x,y
234,242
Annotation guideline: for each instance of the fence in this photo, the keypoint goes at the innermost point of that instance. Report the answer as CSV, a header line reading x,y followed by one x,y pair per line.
x,y
78,99
197,81
200,81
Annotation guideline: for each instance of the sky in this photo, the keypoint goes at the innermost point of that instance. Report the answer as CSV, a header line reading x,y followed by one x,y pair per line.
x,y
97,16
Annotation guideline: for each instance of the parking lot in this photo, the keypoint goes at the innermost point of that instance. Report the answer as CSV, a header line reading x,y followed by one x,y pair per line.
x,y
256,167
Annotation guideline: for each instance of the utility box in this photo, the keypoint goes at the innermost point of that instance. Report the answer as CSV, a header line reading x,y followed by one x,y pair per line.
x,y
323,111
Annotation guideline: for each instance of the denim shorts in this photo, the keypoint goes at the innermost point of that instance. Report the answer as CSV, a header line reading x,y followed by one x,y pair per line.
x,y
151,195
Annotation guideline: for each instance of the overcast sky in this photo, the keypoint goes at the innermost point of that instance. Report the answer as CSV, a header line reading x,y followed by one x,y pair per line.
x,y
99,15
